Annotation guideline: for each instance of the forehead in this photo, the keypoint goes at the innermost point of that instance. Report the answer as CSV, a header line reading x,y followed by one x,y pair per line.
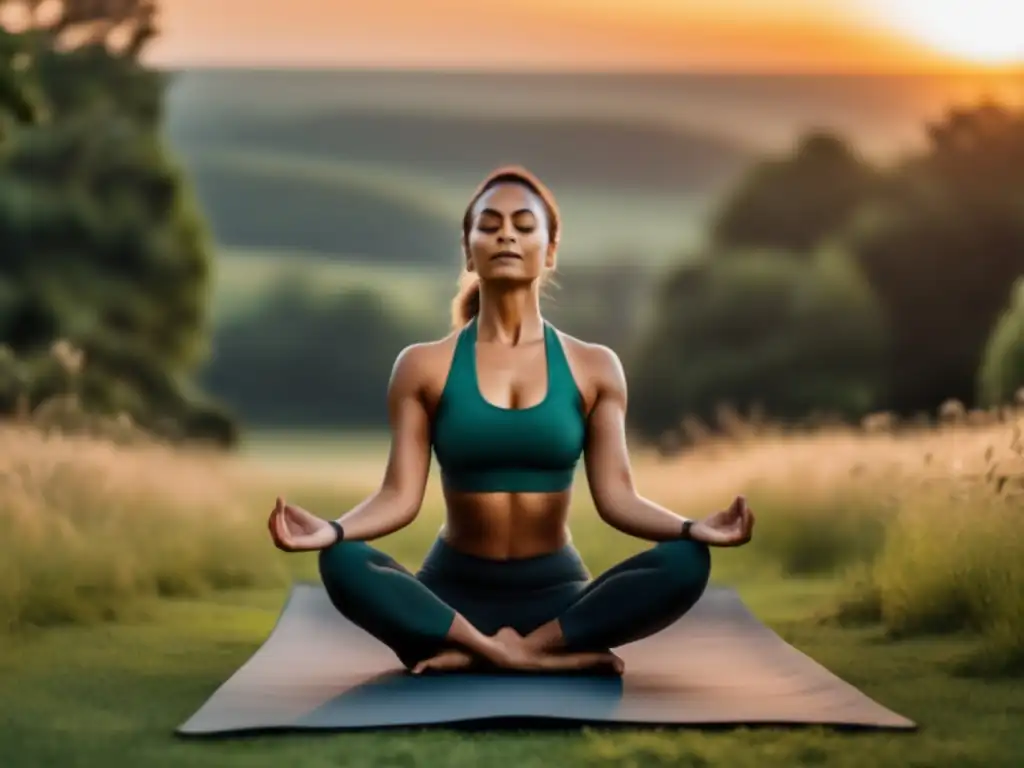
x,y
509,197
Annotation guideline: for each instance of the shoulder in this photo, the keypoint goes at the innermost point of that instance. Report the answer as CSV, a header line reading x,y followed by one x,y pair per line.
x,y
596,364
419,365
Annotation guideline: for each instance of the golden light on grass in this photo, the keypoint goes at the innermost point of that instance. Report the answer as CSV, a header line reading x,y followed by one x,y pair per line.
x,y
924,525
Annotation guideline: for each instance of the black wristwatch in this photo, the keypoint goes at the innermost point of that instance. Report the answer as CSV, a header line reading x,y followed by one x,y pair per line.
x,y
687,525
337,529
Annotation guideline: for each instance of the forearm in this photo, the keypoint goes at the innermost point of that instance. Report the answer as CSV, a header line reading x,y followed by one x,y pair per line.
x,y
384,512
639,517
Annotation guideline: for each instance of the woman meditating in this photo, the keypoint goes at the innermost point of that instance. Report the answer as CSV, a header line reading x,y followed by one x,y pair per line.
x,y
509,405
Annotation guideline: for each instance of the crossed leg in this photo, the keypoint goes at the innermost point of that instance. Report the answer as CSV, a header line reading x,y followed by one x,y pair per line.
x,y
636,598
378,594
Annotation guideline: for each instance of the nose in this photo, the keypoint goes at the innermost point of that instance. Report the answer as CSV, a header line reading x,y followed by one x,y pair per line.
x,y
507,233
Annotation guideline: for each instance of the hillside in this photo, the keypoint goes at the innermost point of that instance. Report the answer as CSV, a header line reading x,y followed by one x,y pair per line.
x,y
567,152
302,168
377,166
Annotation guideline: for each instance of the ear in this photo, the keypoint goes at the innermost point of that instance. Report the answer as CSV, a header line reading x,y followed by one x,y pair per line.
x,y
551,257
468,258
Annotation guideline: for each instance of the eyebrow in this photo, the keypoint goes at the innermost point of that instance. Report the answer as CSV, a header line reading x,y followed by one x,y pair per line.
x,y
493,212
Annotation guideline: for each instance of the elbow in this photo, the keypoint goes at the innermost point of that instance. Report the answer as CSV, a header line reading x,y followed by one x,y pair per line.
x,y
613,505
405,506
408,511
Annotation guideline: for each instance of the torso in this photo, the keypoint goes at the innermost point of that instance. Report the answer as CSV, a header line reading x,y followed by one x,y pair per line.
x,y
510,391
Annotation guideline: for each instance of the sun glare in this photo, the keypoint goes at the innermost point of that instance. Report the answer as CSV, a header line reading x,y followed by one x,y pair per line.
x,y
987,32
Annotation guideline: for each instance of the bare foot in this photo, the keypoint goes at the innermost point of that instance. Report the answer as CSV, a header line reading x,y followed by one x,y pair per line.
x,y
516,654
446,661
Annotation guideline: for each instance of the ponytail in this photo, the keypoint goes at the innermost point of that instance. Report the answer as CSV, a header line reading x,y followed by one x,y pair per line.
x,y
466,304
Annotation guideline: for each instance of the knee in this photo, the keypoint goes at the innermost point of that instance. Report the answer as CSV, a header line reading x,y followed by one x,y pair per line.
x,y
686,565
340,563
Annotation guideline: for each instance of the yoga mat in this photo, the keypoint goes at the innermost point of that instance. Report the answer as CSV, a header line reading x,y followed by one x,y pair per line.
x,y
716,665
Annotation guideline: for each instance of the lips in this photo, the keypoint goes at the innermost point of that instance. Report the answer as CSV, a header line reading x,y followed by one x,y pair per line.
x,y
506,255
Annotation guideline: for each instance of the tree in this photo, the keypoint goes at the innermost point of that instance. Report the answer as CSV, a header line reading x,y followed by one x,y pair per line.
x,y
762,330
942,247
302,358
790,204
19,98
102,243
1001,374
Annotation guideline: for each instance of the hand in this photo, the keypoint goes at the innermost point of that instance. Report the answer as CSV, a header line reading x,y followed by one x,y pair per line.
x,y
293,529
730,527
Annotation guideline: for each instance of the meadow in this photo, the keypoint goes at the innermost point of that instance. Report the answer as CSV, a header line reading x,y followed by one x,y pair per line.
x,y
135,578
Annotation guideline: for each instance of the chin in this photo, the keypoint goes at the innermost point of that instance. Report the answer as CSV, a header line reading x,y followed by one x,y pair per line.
x,y
504,271
499,276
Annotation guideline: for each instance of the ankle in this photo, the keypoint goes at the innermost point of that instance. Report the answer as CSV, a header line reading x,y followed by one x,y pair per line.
x,y
545,639
497,649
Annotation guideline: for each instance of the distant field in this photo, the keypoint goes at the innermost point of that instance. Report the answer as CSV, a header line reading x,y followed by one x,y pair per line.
x,y
243,276
327,173
322,453
884,113
296,169
392,213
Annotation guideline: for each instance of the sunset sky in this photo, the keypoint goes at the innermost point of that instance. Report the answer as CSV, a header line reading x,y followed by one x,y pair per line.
x,y
749,35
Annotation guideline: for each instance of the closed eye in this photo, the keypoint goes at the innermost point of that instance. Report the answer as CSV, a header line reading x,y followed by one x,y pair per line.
x,y
523,220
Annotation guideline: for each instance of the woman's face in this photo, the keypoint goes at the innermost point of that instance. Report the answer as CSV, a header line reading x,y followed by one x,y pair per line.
x,y
508,237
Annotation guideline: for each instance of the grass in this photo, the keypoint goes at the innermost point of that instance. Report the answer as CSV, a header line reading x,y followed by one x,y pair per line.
x,y
136,579
100,695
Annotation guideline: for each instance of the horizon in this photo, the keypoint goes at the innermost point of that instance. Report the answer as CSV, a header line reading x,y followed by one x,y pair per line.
x,y
704,36
950,71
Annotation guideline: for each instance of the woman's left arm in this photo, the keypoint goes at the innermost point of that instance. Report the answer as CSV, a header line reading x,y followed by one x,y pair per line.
x,y
609,474
611,478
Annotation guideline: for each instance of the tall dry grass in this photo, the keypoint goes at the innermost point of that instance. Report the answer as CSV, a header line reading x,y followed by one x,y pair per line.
x,y
92,525
924,527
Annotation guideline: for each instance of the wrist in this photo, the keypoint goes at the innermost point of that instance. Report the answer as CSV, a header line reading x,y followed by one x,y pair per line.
x,y
339,530
686,531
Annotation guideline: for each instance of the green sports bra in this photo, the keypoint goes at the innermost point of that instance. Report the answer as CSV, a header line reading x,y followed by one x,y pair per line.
x,y
482,447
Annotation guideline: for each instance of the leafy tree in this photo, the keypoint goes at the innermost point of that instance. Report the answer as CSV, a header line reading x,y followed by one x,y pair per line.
x,y
942,247
759,329
789,204
300,358
102,243
1001,374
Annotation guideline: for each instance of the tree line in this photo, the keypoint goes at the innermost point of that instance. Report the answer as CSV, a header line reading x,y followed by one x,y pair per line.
x,y
834,285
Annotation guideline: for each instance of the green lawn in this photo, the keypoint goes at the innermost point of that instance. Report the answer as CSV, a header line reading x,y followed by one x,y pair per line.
x,y
112,695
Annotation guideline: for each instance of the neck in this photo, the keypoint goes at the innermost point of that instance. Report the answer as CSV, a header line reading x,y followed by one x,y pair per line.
x,y
510,314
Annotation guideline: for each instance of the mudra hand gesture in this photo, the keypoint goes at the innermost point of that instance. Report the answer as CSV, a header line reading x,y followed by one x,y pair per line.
x,y
293,529
729,527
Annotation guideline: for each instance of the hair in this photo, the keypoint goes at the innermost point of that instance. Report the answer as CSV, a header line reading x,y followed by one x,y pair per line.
x,y
466,304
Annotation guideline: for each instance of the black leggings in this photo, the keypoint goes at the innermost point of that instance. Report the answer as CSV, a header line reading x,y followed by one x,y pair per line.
x,y
412,614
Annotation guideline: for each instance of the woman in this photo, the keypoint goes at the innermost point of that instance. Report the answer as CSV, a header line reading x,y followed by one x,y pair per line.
x,y
508,405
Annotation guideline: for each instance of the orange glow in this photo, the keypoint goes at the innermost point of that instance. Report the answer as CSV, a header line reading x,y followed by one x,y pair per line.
x,y
983,31
745,35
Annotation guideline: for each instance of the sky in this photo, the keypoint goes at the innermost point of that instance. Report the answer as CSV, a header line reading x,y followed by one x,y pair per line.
x,y
716,35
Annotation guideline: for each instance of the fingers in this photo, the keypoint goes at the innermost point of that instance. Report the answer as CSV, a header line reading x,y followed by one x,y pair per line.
x,y
748,522
735,511
279,527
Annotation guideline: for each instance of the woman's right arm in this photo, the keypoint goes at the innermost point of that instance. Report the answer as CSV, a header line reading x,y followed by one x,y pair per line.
x,y
397,502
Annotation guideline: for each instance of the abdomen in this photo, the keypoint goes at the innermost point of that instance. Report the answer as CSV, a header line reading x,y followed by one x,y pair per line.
x,y
507,525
